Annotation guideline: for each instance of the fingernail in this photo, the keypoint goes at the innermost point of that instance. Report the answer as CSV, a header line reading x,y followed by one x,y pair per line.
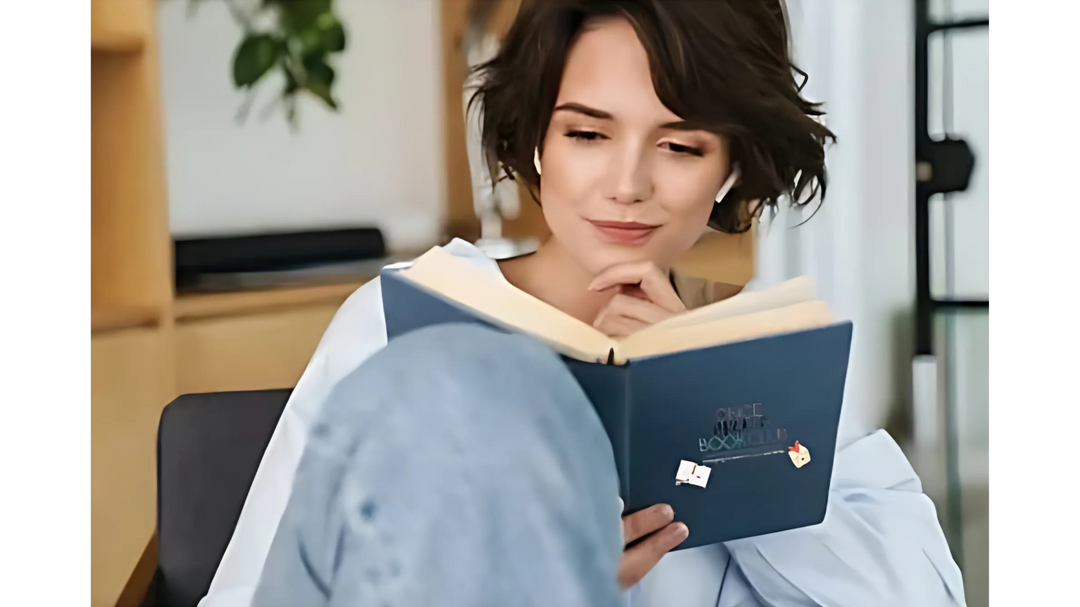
x,y
667,512
678,532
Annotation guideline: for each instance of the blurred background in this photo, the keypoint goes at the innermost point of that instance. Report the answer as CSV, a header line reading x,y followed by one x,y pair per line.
x,y
243,187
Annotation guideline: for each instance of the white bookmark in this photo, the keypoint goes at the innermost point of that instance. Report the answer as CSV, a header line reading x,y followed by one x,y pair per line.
x,y
692,474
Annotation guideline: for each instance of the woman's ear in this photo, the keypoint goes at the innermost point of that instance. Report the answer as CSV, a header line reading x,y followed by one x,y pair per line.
x,y
732,179
536,159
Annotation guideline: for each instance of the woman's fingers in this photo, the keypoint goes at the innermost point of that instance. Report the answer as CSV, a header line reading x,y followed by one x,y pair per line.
x,y
639,560
618,326
653,282
644,522
634,308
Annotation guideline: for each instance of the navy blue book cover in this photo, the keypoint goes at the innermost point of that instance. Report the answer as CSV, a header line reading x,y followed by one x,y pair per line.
x,y
735,410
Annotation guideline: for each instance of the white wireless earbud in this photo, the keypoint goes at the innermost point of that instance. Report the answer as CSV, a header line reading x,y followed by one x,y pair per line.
x,y
729,183
536,159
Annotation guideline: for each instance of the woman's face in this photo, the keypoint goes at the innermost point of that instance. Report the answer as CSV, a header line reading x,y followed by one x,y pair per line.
x,y
621,181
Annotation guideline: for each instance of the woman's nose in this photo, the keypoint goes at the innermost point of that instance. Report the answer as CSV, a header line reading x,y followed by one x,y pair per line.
x,y
629,179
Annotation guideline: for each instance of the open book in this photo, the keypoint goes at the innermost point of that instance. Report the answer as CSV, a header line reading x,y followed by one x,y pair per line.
x,y
728,413
787,307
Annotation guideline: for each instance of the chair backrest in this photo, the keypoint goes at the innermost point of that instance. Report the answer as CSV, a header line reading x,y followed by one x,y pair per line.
x,y
209,448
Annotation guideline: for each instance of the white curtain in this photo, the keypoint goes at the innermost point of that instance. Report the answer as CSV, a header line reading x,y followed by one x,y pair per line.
x,y
859,245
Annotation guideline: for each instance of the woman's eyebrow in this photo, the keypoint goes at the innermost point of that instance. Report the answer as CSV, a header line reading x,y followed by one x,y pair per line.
x,y
579,108
584,109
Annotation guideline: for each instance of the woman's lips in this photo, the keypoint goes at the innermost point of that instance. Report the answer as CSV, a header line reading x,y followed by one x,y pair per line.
x,y
623,232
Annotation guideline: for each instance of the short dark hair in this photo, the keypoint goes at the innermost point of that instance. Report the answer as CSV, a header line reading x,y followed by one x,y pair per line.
x,y
721,65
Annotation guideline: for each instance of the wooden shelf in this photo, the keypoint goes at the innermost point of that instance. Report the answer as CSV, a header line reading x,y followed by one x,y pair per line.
x,y
196,306
119,26
113,318
116,41
132,368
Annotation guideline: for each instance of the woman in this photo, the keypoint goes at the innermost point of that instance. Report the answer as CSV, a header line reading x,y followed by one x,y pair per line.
x,y
458,466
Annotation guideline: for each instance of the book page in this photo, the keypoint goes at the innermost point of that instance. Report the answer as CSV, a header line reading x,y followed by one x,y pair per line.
x,y
788,293
798,317
505,305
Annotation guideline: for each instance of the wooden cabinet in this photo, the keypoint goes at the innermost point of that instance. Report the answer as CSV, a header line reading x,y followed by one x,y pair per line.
x,y
251,341
129,387
132,375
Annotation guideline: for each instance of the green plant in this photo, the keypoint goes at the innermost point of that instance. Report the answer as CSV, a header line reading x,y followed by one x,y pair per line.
x,y
302,38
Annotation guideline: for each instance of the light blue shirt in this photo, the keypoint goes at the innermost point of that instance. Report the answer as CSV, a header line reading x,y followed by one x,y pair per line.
x,y
879,545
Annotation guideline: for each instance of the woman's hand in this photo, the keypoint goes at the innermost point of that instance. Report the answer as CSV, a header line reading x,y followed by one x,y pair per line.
x,y
645,298
640,559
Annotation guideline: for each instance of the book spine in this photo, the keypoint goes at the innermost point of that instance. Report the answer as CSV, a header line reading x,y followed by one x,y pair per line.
x,y
606,388
624,448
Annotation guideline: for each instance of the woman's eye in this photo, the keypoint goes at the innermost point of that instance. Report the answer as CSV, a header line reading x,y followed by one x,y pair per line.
x,y
683,149
585,135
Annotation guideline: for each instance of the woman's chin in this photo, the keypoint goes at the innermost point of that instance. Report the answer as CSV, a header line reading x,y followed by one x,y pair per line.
x,y
602,257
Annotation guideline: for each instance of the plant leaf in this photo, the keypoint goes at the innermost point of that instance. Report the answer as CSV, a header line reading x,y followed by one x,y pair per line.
x,y
326,35
254,58
332,33
298,15
318,69
320,77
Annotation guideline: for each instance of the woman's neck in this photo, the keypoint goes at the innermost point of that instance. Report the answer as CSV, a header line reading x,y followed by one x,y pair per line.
x,y
552,276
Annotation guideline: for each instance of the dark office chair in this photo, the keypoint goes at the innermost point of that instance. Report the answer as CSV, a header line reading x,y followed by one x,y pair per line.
x,y
209,448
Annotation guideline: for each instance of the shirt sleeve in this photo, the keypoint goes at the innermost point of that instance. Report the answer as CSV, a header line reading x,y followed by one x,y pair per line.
x,y
357,331
880,542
